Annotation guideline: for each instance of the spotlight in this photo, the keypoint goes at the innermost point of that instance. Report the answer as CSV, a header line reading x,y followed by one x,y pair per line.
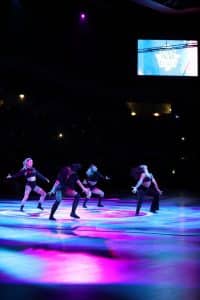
x,y
21,97
82,16
60,135
133,113
156,114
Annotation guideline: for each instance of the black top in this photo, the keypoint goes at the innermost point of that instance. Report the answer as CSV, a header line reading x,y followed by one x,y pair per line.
x,y
29,172
67,180
136,172
148,178
96,176
93,179
63,177
72,181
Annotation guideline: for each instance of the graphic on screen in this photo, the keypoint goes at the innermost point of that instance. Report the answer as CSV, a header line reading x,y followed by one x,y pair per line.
x,y
167,57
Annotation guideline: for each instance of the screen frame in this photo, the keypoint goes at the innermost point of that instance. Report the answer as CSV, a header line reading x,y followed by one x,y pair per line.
x,y
152,38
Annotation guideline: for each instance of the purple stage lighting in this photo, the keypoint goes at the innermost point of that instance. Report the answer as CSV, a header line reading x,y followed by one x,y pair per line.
x,y
82,16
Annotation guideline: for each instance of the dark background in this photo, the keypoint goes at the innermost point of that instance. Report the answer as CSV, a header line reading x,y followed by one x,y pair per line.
x,y
77,78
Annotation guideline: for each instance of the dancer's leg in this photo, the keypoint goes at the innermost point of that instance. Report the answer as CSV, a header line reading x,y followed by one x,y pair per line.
x,y
42,194
55,205
26,195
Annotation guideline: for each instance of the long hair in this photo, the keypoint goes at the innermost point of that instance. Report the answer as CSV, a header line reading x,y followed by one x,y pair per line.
x,y
137,171
76,167
65,172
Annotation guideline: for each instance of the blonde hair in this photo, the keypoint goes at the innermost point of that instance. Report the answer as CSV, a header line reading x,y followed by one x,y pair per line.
x,y
25,162
143,166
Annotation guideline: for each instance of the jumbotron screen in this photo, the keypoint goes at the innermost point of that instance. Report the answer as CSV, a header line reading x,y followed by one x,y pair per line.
x,y
167,57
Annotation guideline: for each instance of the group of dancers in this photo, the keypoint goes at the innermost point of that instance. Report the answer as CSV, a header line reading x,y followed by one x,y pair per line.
x,y
68,183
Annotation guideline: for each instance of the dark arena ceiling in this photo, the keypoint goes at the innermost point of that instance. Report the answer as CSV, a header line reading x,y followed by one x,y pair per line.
x,y
171,6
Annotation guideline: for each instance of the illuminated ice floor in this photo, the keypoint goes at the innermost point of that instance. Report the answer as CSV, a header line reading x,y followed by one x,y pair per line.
x,y
107,253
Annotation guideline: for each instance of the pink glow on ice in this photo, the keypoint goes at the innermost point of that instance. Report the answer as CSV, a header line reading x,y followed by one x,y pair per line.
x,y
62,267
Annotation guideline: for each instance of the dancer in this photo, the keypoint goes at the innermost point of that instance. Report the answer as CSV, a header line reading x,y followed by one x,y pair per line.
x,y
67,183
93,176
146,185
31,175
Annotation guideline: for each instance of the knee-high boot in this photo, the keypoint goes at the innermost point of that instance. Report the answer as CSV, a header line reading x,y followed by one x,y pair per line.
x,y
100,202
53,210
139,204
155,204
22,207
74,206
84,203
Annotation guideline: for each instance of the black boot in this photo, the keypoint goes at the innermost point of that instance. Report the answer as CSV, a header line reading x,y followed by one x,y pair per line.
x,y
74,207
137,212
155,202
40,206
140,197
153,207
22,208
84,203
157,205
53,210
138,207
99,203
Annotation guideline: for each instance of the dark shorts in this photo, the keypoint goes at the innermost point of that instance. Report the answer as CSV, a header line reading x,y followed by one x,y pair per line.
x,y
91,187
31,184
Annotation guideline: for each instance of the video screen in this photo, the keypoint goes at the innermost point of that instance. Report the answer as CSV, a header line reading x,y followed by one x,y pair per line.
x,y
167,57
